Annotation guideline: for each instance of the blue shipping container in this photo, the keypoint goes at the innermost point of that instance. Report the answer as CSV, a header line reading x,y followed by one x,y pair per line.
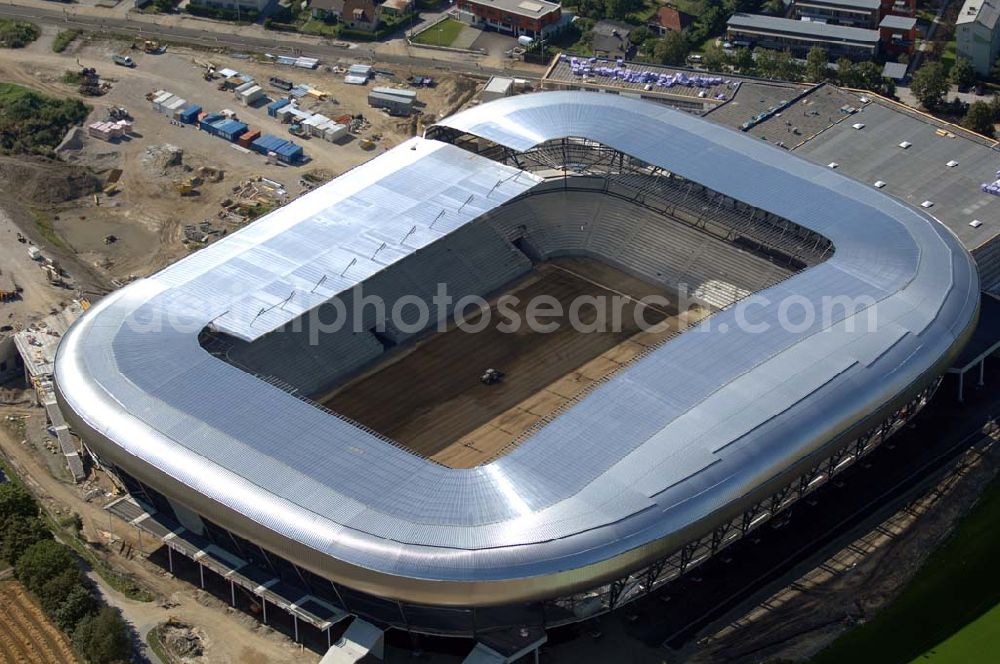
x,y
206,122
190,114
272,108
268,143
229,129
290,153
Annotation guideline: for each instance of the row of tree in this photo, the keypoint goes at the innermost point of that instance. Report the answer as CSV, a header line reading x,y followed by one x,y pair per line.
x,y
52,573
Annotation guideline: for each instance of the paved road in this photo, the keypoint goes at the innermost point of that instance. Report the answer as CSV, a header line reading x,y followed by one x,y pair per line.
x,y
215,35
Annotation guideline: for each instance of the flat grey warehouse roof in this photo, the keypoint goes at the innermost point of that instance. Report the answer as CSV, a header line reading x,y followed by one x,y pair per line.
x,y
627,473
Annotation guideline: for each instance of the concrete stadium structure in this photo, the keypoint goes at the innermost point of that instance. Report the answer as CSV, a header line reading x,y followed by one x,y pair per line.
x,y
195,385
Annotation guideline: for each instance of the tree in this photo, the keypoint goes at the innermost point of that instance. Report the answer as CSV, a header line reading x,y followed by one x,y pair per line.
x,y
78,604
42,561
979,119
671,50
773,7
639,35
715,59
742,60
930,84
103,638
995,106
19,534
962,74
55,590
995,72
16,503
817,65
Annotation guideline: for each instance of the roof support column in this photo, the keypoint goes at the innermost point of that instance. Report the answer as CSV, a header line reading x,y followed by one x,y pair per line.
x,y
232,593
982,365
295,618
201,574
170,558
961,387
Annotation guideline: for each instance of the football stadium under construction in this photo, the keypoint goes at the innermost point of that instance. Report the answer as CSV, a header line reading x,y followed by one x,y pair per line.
x,y
377,473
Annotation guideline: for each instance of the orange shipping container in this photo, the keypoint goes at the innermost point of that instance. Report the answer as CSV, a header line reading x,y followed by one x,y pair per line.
x,y
249,137
343,119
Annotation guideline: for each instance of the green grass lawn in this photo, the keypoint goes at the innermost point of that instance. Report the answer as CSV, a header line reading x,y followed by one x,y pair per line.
x,y
976,639
949,612
320,28
948,55
440,34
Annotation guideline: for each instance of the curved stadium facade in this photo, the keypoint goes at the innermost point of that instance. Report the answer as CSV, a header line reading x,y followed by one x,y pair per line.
x,y
198,387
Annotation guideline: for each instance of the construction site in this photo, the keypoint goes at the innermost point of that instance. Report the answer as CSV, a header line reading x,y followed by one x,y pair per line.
x,y
183,147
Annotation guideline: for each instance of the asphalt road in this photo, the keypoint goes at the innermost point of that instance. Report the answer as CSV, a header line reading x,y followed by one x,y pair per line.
x,y
279,44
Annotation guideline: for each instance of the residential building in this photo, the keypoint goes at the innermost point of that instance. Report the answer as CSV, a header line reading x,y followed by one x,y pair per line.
x,y
234,5
330,10
855,13
610,39
357,14
397,7
977,34
898,34
668,19
531,18
800,36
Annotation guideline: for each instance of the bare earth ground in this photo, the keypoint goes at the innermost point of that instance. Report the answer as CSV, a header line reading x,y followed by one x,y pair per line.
x,y
26,635
230,638
430,397
147,215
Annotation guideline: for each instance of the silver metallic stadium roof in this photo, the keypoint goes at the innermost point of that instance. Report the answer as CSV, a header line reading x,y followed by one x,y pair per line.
x,y
667,444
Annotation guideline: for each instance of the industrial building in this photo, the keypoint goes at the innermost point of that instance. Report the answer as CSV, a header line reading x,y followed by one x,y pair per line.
x,y
213,423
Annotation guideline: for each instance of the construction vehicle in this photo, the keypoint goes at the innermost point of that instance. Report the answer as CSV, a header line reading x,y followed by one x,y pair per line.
x,y
119,113
90,82
367,144
491,377
153,47
296,130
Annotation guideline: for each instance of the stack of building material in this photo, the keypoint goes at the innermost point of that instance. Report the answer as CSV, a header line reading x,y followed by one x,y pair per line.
x,y
109,131
358,74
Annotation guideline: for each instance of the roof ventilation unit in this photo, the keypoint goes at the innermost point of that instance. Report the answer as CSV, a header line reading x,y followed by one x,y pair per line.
x,y
975,223
927,204
952,164
905,144
858,125
879,184
833,164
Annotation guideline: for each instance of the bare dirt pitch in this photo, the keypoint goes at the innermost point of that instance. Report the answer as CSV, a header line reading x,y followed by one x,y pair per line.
x,y
430,398
26,635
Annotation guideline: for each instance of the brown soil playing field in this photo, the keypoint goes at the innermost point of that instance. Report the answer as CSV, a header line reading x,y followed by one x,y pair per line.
x,y
430,398
26,635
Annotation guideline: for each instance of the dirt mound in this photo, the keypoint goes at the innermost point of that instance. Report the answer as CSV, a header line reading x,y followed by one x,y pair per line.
x,y
39,181
181,640
162,158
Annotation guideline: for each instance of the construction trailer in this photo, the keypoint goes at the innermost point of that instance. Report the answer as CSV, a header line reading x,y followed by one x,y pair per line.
x,y
276,105
496,88
395,100
229,130
190,114
250,95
